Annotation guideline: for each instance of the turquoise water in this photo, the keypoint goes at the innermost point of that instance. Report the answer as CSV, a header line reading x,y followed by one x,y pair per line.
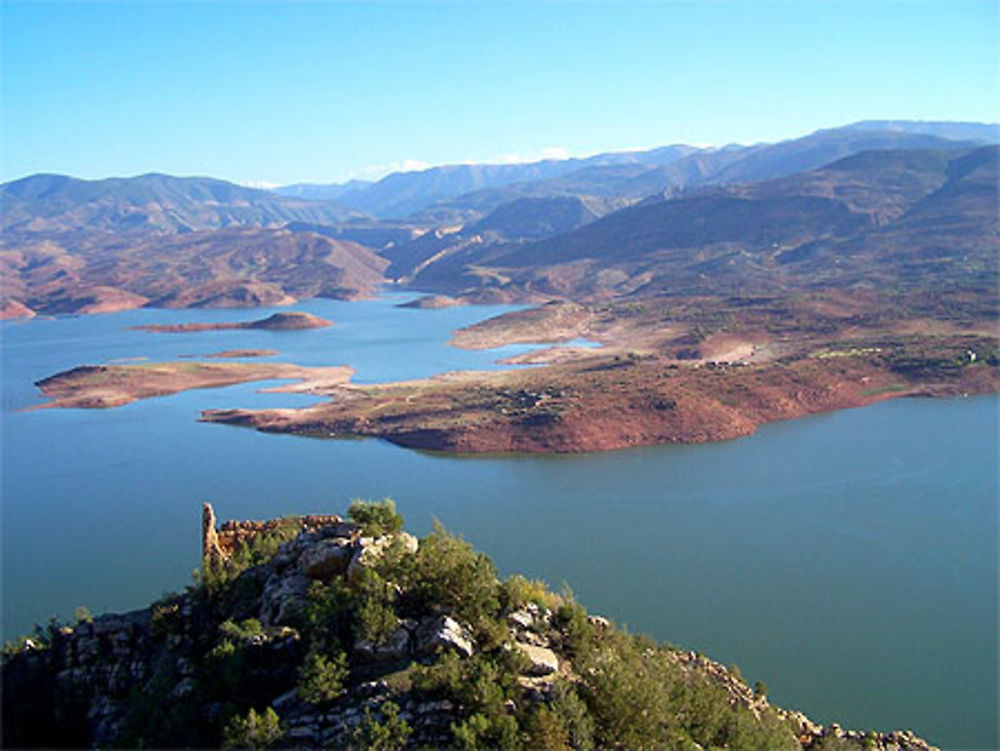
x,y
848,560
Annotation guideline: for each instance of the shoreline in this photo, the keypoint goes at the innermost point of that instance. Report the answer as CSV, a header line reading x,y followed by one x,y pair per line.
x,y
596,403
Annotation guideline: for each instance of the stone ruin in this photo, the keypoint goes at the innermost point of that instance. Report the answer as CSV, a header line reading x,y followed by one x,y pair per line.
x,y
218,544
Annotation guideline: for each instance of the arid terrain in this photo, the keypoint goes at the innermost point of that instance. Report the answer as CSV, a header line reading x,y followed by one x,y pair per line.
x,y
726,288
670,371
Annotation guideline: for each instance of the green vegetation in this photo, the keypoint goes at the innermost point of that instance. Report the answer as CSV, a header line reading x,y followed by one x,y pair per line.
x,y
215,576
388,733
82,615
376,518
446,573
253,731
376,617
321,679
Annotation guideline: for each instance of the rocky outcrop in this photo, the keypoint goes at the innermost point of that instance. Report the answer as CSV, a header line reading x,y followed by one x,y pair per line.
x,y
395,647
543,661
327,558
368,549
444,632
100,682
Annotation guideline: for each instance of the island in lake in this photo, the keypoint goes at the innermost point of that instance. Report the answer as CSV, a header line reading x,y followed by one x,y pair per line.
x,y
290,321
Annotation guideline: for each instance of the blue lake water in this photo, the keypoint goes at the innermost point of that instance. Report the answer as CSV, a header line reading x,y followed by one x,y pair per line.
x,y
849,560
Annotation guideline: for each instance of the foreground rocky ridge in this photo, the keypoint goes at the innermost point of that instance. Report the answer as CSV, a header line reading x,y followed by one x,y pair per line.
x,y
297,637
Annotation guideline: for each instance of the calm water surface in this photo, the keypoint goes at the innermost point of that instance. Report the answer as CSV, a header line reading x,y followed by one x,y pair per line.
x,y
848,560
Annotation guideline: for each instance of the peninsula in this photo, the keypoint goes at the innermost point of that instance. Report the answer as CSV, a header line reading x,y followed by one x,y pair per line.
x,y
102,386
670,371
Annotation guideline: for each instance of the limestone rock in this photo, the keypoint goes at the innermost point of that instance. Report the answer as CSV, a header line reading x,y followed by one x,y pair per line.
x,y
367,550
325,559
281,595
521,619
394,648
543,661
444,631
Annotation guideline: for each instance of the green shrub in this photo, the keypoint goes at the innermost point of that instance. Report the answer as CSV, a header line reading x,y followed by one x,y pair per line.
x,y
375,616
479,732
389,733
627,690
546,731
242,631
567,705
375,518
448,573
326,619
516,591
215,578
470,733
253,731
321,679
580,635
165,616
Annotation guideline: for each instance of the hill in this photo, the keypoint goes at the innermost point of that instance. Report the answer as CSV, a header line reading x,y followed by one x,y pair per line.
x,y
905,217
316,631
154,202
236,267
520,220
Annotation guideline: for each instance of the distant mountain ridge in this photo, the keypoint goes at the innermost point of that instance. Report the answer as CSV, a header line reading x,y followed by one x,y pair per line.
x,y
152,202
840,206
890,217
458,192
402,193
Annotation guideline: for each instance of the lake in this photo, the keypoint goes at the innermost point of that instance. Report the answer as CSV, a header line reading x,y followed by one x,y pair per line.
x,y
849,560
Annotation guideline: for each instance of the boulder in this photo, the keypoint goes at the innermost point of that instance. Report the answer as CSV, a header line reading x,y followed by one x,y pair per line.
x,y
325,558
367,550
599,621
282,594
393,648
444,632
521,619
543,661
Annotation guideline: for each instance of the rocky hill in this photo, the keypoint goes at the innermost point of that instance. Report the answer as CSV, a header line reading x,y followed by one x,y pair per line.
x,y
96,272
459,193
892,217
676,172
314,631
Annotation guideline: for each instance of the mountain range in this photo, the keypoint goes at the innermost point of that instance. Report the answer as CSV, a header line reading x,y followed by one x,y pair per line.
x,y
154,202
876,202
872,219
456,191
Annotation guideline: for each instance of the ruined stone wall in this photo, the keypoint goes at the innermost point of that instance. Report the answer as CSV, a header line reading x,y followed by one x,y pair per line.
x,y
218,544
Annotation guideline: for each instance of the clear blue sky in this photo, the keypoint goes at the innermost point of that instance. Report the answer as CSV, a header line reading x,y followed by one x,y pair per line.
x,y
282,92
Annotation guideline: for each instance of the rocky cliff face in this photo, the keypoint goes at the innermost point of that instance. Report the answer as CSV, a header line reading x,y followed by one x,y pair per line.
x,y
175,673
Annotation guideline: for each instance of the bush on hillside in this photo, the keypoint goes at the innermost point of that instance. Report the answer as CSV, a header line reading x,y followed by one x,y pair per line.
x,y
375,518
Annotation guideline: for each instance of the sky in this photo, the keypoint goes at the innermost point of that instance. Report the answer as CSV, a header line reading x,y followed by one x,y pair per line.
x,y
280,92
